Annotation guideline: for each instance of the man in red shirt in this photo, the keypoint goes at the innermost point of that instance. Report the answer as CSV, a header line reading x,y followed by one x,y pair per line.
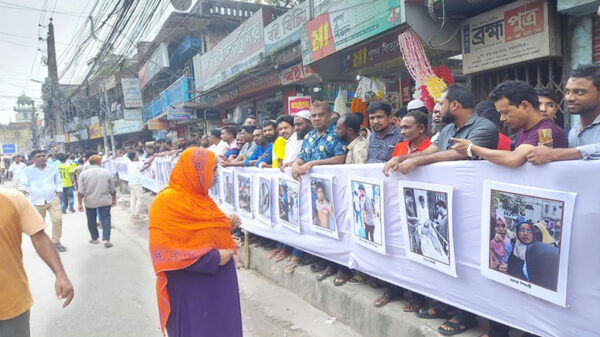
x,y
414,131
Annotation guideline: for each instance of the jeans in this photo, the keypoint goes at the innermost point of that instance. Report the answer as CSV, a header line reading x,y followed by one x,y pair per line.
x,y
15,327
67,198
369,231
104,220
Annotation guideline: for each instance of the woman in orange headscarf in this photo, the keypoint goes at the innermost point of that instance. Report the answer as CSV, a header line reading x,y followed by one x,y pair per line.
x,y
191,250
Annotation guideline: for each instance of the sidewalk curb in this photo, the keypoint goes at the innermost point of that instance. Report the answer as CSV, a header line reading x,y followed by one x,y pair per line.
x,y
350,304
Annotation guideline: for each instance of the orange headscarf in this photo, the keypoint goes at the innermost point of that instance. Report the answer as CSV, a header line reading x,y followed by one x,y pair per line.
x,y
184,222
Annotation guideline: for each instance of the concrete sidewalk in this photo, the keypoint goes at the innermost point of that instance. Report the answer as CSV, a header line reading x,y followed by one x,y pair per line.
x,y
350,304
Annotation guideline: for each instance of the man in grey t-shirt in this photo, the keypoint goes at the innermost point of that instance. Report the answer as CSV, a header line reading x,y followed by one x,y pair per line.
x,y
456,107
97,191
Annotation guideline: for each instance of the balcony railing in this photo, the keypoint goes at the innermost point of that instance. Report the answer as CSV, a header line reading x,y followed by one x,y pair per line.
x,y
175,94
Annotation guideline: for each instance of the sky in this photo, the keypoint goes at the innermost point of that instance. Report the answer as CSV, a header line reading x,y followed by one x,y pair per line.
x,y
20,59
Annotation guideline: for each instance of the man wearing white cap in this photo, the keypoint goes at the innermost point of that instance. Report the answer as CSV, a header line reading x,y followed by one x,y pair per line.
x,y
417,104
302,126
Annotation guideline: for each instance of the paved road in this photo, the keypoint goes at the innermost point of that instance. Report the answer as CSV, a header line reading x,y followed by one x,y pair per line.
x,y
114,291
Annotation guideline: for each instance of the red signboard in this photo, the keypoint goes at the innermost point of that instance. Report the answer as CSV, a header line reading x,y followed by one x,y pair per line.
x,y
320,36
298,103
296,73
524,21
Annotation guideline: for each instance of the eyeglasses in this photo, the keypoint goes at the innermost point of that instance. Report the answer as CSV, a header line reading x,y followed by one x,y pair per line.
x,y
525,230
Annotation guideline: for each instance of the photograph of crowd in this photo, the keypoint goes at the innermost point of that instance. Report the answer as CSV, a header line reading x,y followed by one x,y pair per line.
x,y
289,203
244,190
524,237
323,214
367,217
264,200
227,183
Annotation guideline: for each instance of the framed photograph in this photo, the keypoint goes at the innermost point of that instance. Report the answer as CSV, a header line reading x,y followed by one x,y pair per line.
x,y
426,211
288,206
323,213
227,187
244,193
525,238
367,213
213,192
263,197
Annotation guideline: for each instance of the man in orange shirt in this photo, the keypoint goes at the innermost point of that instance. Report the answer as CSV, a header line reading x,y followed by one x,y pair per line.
x,y
414,131
19,217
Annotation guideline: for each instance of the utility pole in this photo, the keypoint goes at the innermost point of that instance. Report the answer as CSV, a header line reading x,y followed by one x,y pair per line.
x,y
53,105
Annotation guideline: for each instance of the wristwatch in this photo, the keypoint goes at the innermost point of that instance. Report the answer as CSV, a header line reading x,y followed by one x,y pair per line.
x,y
469,151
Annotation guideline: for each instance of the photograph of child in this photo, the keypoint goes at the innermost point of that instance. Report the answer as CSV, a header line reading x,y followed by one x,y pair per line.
x,y
323,214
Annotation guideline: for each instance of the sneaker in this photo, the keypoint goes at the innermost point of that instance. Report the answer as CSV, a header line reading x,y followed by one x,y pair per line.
x,y
72,210
107,244
64,212
60,247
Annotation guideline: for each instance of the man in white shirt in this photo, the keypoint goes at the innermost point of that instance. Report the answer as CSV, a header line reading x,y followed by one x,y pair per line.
x,y
15,170
135,184
302,127
217,145
42,183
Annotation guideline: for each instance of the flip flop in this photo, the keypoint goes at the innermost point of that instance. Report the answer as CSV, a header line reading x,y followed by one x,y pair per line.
x,y
330,270
291,267
458,327
341,277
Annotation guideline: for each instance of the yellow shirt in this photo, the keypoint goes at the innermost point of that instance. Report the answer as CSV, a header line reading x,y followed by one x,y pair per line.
x,y
18,216
65,174
278,151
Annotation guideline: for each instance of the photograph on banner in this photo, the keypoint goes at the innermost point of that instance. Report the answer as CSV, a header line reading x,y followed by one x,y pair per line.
x,y
227,187
323,214
367,216
213,191
264,200
525,238
288,206
244,194
426,215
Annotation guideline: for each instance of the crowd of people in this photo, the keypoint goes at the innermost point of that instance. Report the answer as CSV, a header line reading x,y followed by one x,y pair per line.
x,y
457,129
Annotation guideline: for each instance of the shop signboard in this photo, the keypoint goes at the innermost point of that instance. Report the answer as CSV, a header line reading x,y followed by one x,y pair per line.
x,y
122,126
298,103
510,34
95,131
9,148
157,62
179,113
59,138
132,114
132,95
347,23
285,30
158,124
372,53
67,137
298,73
239,51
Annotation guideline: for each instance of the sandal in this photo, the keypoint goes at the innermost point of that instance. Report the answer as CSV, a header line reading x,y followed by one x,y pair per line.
x,y
358,278
94,242
281,255
439,311
391,293
342,276
107,244
456,327
291,267
330,270
413,306
318,266
274,253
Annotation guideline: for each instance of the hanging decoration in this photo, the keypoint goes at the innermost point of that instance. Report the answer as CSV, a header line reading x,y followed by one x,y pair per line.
x,y
430,81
